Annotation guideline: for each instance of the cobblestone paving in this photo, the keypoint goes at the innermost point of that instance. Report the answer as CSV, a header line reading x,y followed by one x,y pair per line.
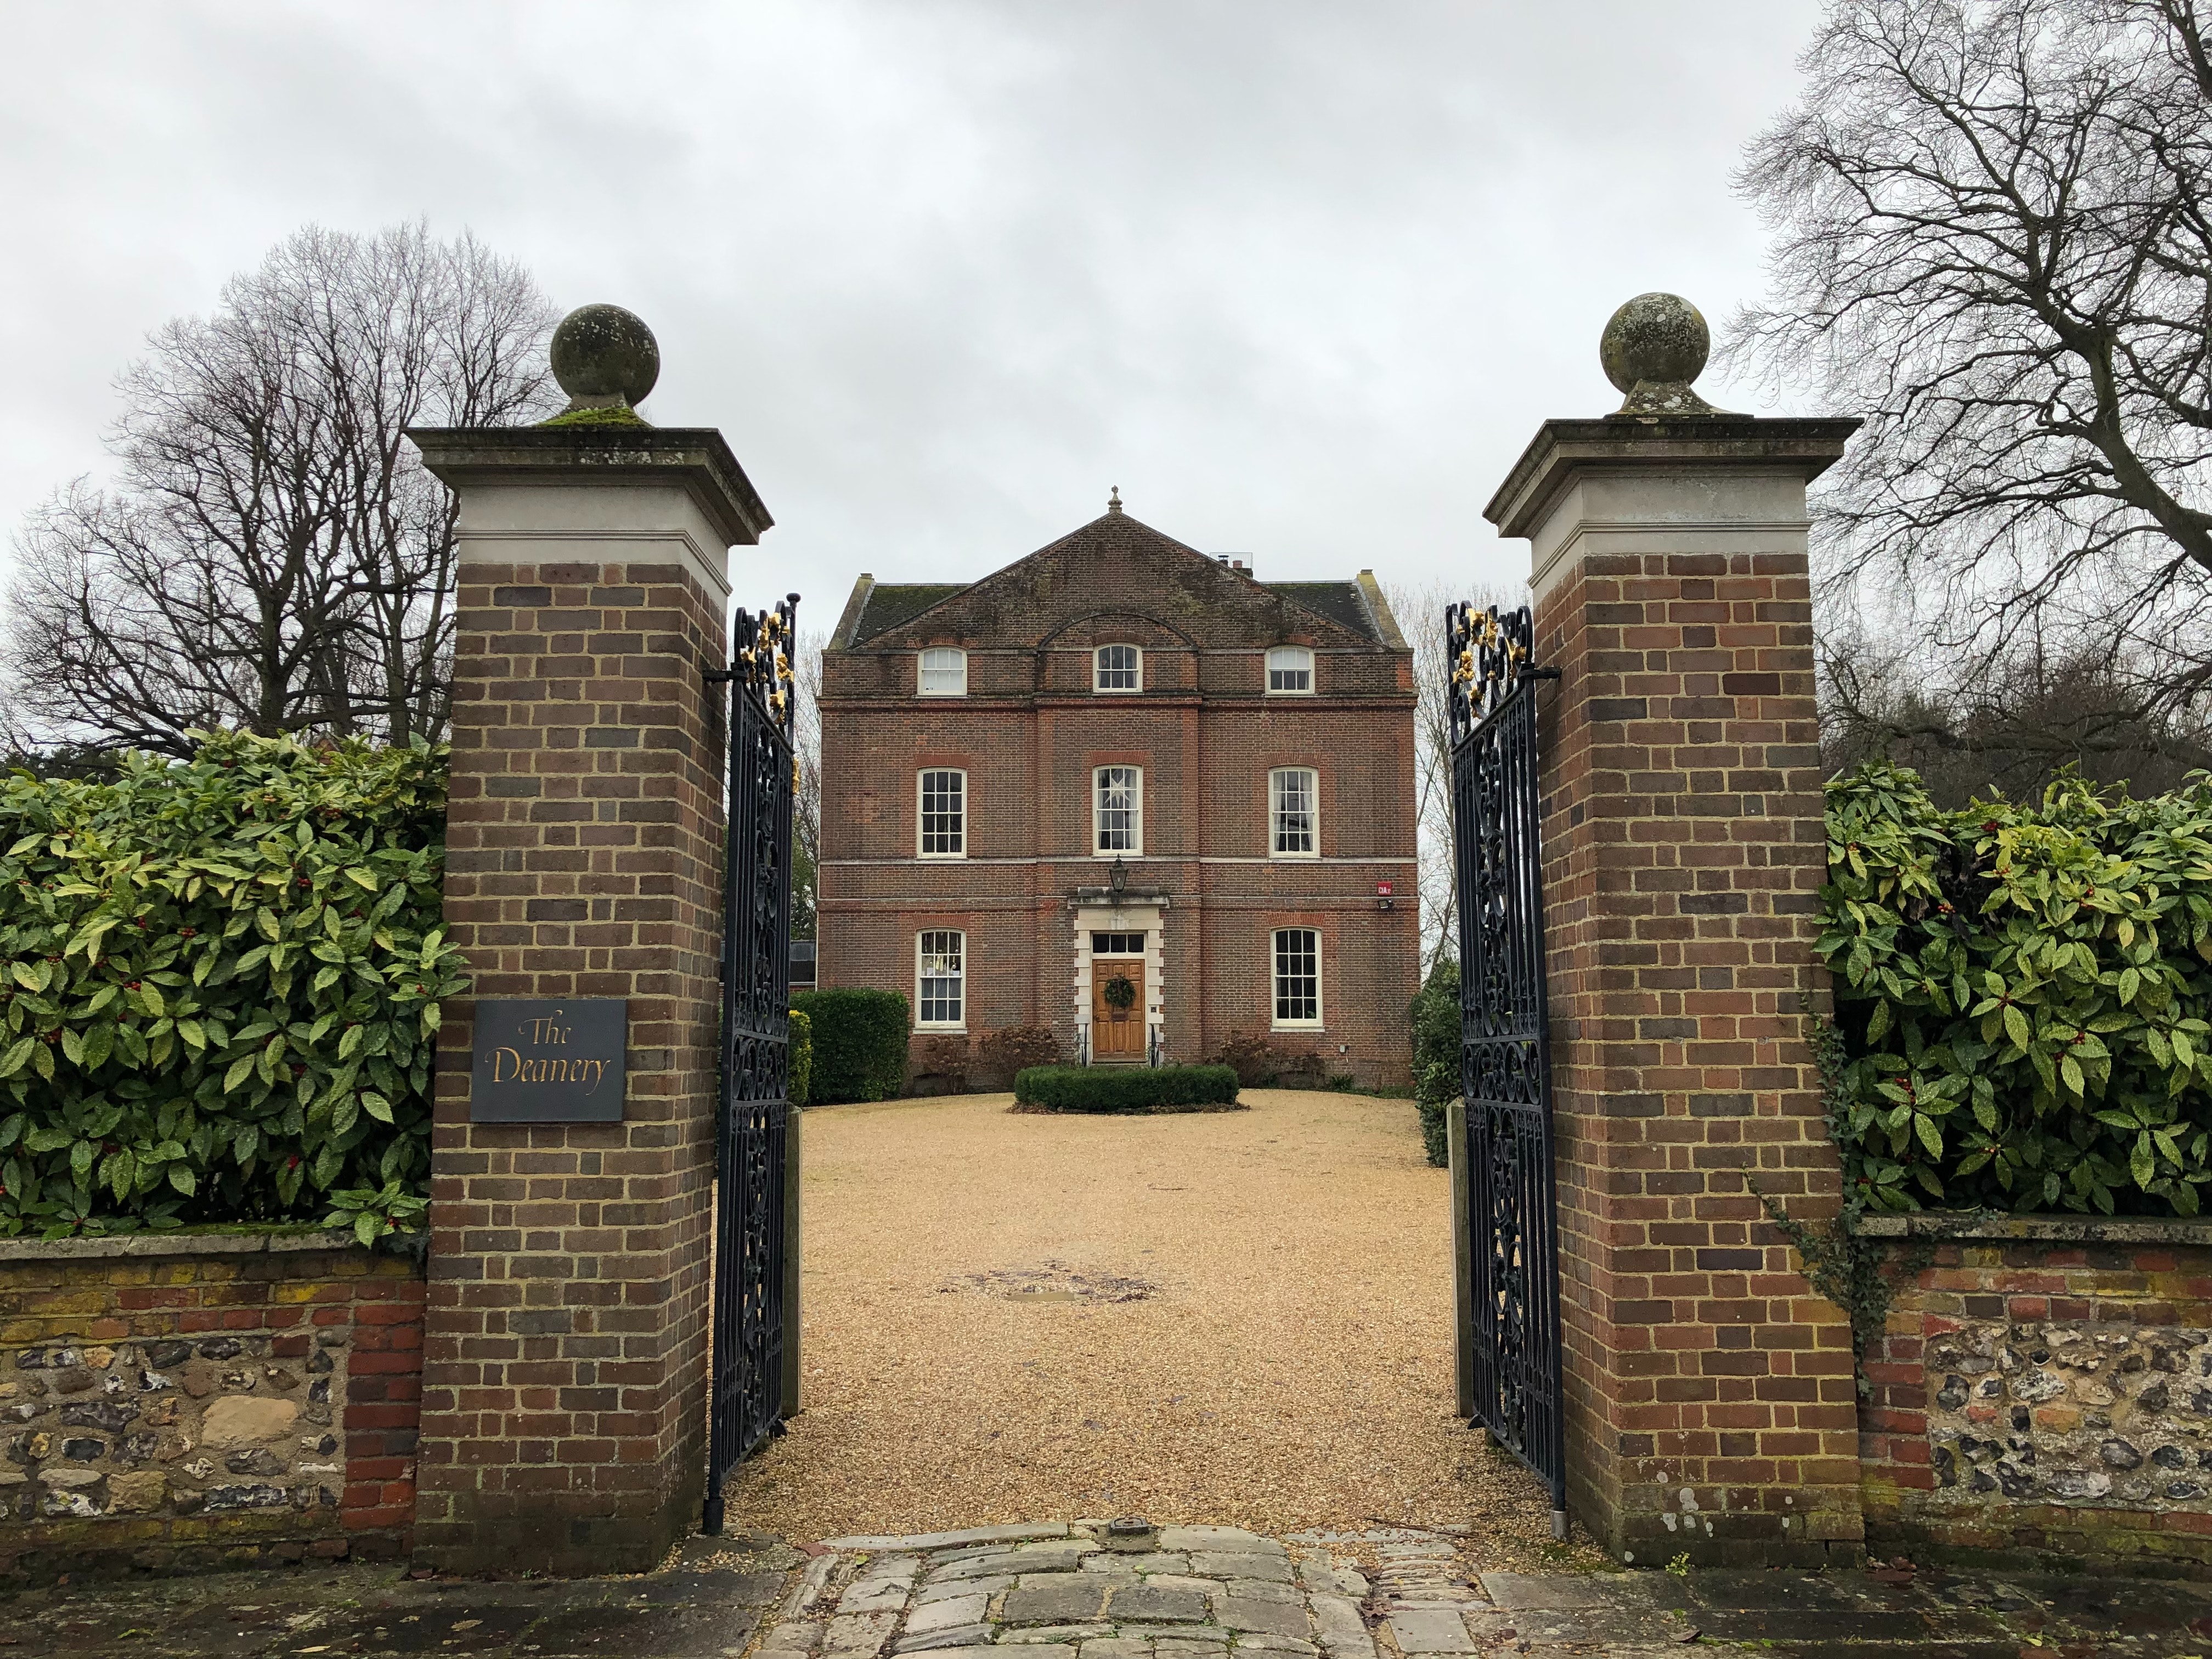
x,y
1057,1591
1089,1591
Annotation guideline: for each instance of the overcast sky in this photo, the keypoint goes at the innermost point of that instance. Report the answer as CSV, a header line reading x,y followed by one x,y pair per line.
x,y
1301,278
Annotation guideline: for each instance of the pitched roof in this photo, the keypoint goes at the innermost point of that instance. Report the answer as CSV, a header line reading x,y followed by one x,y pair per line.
x,y
1193,583
1340,602
890,604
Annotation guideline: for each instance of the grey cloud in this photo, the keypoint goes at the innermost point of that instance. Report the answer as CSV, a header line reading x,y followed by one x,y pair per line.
x,y
1300,277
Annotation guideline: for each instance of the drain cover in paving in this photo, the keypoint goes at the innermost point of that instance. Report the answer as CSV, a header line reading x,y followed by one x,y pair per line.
x,y
1055,1281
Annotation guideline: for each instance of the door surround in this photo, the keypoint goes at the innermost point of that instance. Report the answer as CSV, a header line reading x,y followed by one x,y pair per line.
x,y
1143,917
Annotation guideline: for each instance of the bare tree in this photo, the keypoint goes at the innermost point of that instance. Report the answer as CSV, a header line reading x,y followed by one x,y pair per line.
x,y
1992,240
2009,732
1420,613
273,556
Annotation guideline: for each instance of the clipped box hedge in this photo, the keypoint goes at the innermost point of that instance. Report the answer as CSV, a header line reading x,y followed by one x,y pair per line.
x,y
860,1043
222,991
800,1066
1126,1089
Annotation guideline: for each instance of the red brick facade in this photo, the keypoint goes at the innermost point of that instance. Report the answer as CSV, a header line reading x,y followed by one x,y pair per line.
x,y
1029,733
2039,1396
1709,1402
564,1388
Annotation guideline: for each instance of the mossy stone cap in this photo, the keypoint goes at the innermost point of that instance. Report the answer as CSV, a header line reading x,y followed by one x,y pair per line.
x,y
601,353
1659,338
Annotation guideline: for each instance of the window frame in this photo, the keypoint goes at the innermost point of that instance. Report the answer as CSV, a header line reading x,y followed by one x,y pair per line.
x,y
1136,811
922,775
1305,690
959,977
922,670
1275,937
1099,669
1275,811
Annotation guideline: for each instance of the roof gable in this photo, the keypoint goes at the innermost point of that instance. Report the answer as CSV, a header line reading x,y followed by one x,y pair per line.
x,y
1115,564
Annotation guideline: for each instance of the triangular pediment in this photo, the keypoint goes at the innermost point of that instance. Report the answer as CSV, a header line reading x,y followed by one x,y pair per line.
x,y
1115,565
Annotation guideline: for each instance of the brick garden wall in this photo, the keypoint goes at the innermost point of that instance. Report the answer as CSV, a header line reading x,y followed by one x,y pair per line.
x,y
2042,1395
185,1403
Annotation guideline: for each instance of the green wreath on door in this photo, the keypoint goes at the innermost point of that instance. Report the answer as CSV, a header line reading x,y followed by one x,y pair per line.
x,y
1119,993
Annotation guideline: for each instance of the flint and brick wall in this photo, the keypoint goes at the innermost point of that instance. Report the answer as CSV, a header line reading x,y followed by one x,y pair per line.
x,y
2042,1393
192,1402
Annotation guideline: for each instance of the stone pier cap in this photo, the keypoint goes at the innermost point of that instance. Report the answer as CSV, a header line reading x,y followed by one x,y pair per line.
x,y
1711,466
696,460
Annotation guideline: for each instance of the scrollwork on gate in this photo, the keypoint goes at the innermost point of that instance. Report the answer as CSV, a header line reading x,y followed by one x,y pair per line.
x,y
1506,1057
754,1109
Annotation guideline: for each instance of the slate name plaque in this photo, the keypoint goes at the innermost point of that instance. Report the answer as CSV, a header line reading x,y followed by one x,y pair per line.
x,y
554,1061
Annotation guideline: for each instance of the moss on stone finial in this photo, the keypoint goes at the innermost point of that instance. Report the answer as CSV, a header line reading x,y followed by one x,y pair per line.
x,y
599,415
1652,348
605,357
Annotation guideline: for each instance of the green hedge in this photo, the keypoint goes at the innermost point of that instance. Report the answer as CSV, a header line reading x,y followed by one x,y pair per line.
x,y
800,1068
223,981
859,1040
1435,1019
1124,1088
2023,995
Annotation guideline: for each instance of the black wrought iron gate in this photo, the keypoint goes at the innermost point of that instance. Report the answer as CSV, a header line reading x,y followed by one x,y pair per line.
x,y
751,1122
1505,1065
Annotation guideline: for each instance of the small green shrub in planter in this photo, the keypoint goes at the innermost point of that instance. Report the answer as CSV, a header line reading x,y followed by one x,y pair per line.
x,y
800,1066
859,1041
1126,1089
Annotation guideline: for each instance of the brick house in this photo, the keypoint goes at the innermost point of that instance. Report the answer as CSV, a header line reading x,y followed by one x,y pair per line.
x,y
1127,791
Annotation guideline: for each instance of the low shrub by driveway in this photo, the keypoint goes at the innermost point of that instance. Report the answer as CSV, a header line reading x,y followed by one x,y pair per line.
x,y
1133,1088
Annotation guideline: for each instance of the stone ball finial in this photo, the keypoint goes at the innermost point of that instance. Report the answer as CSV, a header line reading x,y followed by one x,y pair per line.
x,y
1652,348
603,356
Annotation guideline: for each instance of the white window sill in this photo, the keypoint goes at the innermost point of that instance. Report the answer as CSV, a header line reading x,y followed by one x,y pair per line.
x,y
1293,858
1301,1026
941,1030
1307,692
941,858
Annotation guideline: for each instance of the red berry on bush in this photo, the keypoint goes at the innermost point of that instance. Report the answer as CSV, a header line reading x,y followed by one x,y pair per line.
x,y
1989,826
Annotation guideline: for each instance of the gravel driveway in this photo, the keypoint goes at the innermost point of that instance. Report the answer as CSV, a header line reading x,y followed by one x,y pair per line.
x,y
1242,1318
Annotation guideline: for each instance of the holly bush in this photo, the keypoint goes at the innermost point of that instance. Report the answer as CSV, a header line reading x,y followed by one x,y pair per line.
x,y
2023,991
223,981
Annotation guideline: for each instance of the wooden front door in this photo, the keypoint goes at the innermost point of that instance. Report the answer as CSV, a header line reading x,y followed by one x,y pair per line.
x,y
1117,1033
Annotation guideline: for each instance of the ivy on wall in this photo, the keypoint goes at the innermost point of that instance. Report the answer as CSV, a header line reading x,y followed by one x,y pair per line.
x,y
221,988
2024,994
